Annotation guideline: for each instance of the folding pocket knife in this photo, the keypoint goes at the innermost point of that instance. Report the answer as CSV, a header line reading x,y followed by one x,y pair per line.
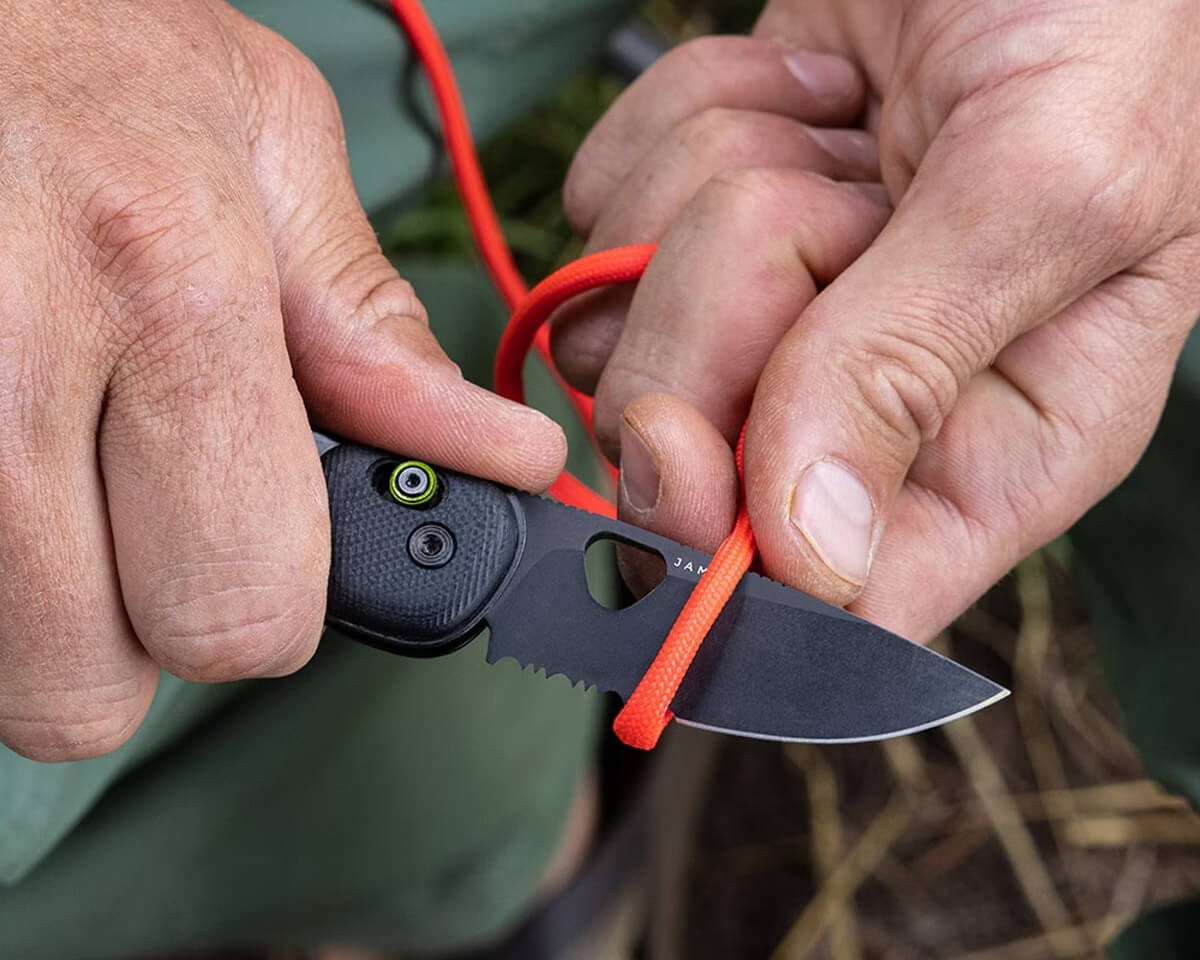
x,y
425,559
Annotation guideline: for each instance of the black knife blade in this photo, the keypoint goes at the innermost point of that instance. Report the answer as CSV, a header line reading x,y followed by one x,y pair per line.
x,y
424,578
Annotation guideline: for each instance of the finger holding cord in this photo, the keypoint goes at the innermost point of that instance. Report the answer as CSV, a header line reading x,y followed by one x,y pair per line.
x,y
678,478
677,468
643,207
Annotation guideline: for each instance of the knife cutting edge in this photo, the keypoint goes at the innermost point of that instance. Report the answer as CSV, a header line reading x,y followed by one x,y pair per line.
x,y
424,559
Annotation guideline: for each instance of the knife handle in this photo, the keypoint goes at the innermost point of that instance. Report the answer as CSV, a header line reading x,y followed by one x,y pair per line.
x,y
418,553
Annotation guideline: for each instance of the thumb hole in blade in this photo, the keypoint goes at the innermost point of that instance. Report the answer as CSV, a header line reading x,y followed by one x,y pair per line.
x,y
619,573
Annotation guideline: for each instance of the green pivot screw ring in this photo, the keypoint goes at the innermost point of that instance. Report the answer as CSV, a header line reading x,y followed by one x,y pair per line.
x,y
412,483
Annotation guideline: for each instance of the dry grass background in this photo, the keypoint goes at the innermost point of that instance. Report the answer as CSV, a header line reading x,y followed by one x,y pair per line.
x,y
1025,832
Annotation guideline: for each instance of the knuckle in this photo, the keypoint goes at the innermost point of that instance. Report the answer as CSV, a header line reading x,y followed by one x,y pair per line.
x,y
748,198
368,288
130,219
1085,173
1094,175
717,136
236,631
697,66
307,94
701,58
244,601
280,85
741,194
905,389
172,246
303,73
388,324
62,722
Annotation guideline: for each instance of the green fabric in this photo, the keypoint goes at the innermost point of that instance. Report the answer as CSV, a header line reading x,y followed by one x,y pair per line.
x,y
507,54
39,803
1171,933
369,798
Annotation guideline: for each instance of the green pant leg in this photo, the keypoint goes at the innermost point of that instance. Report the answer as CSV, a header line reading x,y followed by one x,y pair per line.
x,y
407,806
371,798
163,858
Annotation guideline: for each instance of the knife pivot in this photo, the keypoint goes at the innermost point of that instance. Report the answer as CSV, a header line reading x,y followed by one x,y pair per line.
x,y
418,556
431,545
413,483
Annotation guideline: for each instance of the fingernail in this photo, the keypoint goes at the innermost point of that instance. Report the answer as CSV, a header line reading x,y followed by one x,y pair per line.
x,y
854,147
825,75
639,471
832,510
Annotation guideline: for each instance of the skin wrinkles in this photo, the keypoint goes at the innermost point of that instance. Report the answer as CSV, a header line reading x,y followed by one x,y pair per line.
x,y
178,223
989,363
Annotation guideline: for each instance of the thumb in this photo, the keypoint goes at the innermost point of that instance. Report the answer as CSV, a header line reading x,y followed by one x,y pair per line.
x,y
981,248
362,353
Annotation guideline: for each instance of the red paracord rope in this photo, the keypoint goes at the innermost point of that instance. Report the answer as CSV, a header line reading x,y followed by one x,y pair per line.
x,y
648,710
621,265
485,224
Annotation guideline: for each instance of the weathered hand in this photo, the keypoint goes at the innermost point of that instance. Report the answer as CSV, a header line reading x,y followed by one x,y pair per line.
x,y
182,259
712,152
990,366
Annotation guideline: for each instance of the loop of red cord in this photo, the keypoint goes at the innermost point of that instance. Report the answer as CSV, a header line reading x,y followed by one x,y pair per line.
x,y
648,710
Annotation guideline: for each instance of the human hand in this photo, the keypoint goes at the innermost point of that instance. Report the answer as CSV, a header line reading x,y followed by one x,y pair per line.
x,y
716,147
182,260
990,366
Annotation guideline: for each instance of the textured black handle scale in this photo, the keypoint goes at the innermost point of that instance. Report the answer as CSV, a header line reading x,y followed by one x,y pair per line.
x,y
377,592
